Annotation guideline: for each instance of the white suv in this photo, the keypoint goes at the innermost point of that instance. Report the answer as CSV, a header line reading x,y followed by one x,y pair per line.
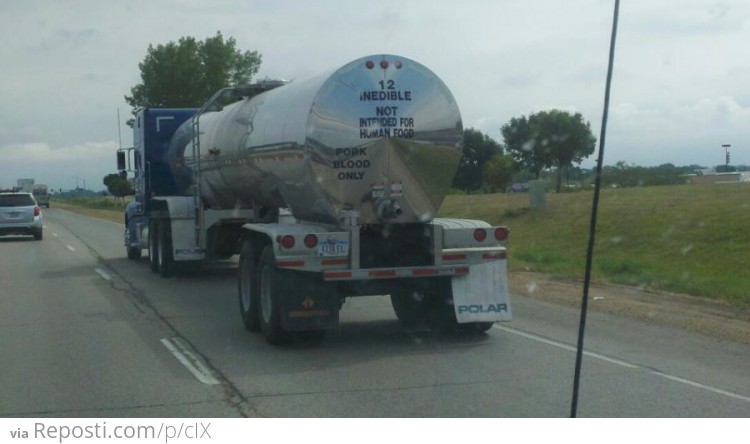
x,y
20,214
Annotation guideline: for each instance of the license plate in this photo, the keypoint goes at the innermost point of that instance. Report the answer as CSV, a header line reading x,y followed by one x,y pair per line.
x,y
333,248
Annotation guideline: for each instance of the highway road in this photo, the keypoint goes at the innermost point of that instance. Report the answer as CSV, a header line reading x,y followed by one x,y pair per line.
x,y
84,332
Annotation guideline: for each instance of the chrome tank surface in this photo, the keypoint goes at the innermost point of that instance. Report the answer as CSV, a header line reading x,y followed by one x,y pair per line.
x,y
381,136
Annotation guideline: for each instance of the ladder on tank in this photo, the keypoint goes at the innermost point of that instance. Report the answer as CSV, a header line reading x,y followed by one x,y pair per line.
x,y
196,171
213,105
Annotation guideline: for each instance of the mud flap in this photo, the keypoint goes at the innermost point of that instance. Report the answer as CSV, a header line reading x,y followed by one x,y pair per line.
x,y
307,303
482,295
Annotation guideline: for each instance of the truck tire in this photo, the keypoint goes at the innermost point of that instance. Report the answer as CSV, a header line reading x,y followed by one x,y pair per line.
x,y
269,312
412,306
153,248
164,246
247,286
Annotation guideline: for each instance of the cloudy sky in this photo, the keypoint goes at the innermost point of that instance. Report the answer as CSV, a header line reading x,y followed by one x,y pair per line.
x,y
681,85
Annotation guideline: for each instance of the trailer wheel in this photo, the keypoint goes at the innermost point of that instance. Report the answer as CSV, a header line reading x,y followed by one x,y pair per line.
x,y
411,305
269,312
153,249
164,247
248,287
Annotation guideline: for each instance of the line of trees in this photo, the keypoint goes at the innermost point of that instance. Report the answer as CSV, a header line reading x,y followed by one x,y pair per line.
x,y
546,139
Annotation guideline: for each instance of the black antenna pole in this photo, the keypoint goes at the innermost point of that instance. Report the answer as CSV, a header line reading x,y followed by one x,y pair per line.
x,y
594,211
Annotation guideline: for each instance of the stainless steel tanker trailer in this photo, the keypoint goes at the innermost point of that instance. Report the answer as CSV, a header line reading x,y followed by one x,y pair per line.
x,y
327,188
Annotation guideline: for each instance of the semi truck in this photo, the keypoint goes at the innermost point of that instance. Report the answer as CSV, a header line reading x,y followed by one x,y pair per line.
x,y
41,194
327,188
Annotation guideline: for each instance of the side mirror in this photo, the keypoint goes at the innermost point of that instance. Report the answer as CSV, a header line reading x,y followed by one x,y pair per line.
x,y
121,161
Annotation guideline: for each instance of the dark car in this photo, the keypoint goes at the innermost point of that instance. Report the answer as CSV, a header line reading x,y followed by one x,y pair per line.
x,y
20,214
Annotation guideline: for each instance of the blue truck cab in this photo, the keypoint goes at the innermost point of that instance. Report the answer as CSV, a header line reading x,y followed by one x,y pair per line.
x,y
152,133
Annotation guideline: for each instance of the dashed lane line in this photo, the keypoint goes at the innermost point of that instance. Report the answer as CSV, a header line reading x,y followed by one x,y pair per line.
x,y
190,360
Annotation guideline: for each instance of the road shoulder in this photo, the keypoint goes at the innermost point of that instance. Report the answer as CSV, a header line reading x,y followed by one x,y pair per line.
x,y
701,315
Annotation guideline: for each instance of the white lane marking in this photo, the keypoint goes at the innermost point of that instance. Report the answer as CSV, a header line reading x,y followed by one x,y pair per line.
x,y
567,347
701,386
70,248
695,384
54,234
103,274
192,362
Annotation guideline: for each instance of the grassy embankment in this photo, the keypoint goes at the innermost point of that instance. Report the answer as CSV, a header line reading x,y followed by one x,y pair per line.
x,y
691,239
107,208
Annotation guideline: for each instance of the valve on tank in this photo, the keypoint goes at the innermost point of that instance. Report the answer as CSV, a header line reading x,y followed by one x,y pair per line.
x,y
387,209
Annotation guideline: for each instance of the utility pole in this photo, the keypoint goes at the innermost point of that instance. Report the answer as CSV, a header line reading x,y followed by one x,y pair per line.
x,y
726,156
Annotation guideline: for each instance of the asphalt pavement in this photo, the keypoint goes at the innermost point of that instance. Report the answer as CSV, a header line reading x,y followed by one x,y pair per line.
x,y
85,332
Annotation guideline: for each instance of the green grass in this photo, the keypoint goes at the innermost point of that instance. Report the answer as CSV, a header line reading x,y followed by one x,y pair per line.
x,y
691,239
98,203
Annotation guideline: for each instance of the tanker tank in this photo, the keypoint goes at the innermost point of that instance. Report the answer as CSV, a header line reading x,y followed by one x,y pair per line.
x,y
379,137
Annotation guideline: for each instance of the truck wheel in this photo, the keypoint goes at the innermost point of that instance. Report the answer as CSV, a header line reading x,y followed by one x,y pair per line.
x,y
248,288
268,302
164,245
153,249
411,306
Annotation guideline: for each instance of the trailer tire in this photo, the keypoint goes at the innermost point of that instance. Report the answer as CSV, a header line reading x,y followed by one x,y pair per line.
x,y
153,248
269,310
247,286
164,246
411,306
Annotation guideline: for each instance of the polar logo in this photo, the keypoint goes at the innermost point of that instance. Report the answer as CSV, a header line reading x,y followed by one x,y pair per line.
x,y
477,308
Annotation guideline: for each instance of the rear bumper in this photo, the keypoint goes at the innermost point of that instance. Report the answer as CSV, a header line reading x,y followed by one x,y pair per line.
x,y
22,228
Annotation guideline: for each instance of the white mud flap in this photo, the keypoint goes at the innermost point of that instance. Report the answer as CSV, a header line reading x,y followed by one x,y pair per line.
x,y
482,295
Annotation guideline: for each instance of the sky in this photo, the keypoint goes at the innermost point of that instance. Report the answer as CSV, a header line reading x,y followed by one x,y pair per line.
x,y
680,89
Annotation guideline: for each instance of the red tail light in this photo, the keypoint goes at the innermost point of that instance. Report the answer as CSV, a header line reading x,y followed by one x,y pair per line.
x,y
37,211
311,241
501,233
286,241
480,235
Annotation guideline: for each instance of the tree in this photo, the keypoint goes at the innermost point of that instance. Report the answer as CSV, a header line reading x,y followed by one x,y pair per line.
x,y
498,171
520,145
477,150
117,185
549,138
187,73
